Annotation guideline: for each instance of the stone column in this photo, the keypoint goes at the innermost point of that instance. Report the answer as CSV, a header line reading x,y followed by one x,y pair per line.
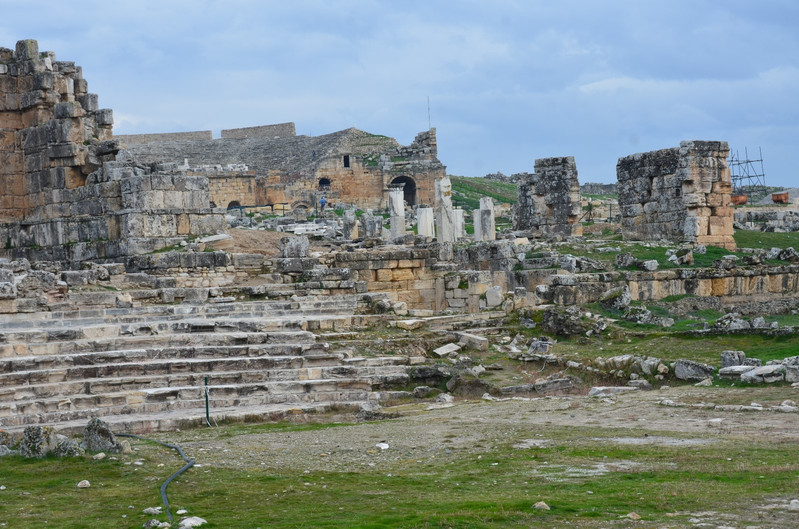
x,y
488,228
349,225
425,222
459,224
444,214
396,203
478,232
371,226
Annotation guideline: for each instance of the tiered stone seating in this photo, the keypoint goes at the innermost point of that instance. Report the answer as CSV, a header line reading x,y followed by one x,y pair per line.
x,y
145,367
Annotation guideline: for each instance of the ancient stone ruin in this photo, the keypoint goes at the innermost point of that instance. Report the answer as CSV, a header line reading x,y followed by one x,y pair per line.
x,y
679,194
270,166
64,196
549,199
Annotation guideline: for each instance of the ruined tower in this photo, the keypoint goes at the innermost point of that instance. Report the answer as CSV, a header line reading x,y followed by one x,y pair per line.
x,y
64,195
679,194
549,199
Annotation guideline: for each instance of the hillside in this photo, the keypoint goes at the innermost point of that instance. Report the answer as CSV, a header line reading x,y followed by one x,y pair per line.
x,y
467,191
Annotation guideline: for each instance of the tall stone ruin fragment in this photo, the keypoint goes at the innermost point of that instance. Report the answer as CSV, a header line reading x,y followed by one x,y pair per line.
x,y
549,199
396,203
679,194
64,197
444,213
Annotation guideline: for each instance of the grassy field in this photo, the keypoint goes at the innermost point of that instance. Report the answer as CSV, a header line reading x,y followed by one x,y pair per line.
x,y
587,482
466,192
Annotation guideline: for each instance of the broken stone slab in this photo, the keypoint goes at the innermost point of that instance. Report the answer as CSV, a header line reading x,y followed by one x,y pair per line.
x,y
690,370
604,391
649,265
409,325
473,341
734,372
557,384
447,350
764,374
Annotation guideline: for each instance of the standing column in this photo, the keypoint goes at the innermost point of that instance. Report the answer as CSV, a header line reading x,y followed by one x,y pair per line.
x,y
488,227
424,222
444,214
396,203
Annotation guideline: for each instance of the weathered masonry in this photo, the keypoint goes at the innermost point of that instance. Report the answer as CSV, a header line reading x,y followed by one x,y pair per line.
x,y
349,167
680,194
549,199
64,195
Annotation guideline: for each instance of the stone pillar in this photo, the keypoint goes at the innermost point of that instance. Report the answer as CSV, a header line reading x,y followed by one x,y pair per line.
x,y
488,228
425,223
371,226
396,203
349,225
444,214
549,199
478,229
458,224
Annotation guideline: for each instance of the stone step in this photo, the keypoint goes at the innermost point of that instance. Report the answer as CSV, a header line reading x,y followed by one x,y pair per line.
x,y
188,417
313,354
154,341
256,309
154,400
15,387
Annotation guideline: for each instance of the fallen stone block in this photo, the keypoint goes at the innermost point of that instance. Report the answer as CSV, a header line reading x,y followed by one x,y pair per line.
x,y
473,341
690,370
764,374
447,350
604,391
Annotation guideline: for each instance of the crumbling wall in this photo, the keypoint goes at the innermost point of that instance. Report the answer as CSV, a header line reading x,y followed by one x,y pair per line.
x,y
549,199
137,139
279,130
680,194
52,133
65,197
349,166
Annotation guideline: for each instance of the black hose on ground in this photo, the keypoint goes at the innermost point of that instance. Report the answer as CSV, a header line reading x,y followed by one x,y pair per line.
x,y
188,465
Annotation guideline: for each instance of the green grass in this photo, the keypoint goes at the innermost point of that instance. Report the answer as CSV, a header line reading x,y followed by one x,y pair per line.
x,y
587,480
759,239
466,192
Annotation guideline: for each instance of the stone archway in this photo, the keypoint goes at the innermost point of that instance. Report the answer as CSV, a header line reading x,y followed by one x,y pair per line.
x,y
409,190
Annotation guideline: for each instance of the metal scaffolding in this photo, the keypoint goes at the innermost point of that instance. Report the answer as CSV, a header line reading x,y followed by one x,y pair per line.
x,y
747,175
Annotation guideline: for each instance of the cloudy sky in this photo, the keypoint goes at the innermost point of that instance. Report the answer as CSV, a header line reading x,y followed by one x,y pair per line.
x,y
508,81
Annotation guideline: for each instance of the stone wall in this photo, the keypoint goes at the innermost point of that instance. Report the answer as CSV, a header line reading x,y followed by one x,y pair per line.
x,y
349,166
279,130
732,286
680,194
137,139
549,199
52,132
65,196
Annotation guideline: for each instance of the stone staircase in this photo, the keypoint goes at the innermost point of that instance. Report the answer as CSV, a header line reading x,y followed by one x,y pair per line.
x,y
145,367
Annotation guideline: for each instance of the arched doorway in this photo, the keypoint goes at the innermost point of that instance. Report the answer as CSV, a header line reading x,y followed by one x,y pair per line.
x,y
324,184
409,189
234,205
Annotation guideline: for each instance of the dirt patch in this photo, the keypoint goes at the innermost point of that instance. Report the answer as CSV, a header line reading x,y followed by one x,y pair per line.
x,y
257,242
